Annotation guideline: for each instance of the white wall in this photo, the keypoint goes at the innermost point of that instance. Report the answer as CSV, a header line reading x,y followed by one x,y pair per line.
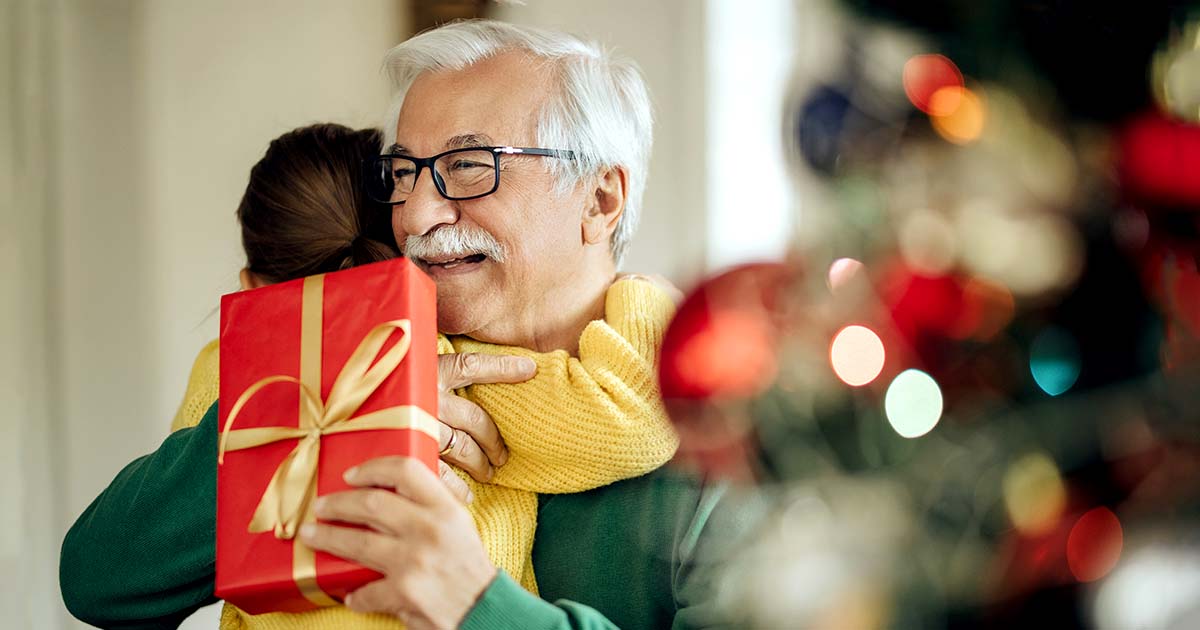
x,y
29,532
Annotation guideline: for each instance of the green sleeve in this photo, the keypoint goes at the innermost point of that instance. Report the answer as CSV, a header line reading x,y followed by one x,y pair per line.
x,y
645,553
143,554
504,604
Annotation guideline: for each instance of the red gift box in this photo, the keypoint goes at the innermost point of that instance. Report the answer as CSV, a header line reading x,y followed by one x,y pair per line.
x,y
318,375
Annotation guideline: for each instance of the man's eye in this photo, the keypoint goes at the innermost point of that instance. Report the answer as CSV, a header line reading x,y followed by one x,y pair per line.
x,y
462,165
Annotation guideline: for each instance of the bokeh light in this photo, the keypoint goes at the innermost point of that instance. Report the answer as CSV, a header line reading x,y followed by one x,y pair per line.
x,y
1030,254
1177,75
724,338
842,271
992,308
861,201
928,242
1054,361
821,125
1034,494
1094,544
1183,296
1160,158
948,306
964,117
913,403
1156,586
1024,143
733,356
1131,229
924,76
1181,86
857,355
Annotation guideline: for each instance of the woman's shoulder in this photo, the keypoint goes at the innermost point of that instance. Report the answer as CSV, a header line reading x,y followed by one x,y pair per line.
x,y
203,387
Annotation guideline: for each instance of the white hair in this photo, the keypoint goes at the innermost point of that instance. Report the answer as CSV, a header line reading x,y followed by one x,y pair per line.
x,y
601,109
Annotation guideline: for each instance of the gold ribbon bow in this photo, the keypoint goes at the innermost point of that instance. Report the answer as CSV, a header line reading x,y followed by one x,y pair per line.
x,y
287,502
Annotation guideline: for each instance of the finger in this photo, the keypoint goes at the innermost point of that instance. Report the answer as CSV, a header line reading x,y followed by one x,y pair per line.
x,y
459,413
406,475
382,510
454,483
468,368
467,455
368,548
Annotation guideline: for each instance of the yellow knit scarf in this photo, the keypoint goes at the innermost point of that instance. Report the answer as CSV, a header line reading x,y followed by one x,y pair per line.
x,y
579,424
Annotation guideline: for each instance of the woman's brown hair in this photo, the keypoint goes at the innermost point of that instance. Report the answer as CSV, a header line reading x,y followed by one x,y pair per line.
x,y
305,211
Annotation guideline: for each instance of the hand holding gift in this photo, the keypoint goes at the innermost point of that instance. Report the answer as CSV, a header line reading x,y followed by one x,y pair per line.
x,y
419,536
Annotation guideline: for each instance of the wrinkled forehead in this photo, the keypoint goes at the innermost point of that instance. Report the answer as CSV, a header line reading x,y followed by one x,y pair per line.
x,y
497,101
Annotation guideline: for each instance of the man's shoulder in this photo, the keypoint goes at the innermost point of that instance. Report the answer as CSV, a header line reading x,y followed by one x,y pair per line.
x,y
657,516
616,548
662,489
638,550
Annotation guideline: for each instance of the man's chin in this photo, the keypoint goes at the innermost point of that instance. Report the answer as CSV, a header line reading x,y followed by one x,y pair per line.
x,y
457,316
449,326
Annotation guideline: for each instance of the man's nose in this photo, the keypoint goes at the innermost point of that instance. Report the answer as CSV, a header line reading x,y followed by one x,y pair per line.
x,y
424,210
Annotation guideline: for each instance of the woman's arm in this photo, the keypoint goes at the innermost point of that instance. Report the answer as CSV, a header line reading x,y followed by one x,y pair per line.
x,y
143,554
588,421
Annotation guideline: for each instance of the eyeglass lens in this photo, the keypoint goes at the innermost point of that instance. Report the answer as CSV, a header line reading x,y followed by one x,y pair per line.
x,y
457,175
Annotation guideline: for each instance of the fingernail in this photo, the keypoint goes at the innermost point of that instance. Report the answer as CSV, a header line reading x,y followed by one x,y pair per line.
x,y
527,364
308,531
319,505
470,497
348,600
491,473
350,474
503,457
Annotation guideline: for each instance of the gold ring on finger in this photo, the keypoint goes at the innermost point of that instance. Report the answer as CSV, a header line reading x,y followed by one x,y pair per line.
x,y
449,444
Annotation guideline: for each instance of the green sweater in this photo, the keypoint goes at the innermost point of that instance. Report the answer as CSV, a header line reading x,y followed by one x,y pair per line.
x,y
639,553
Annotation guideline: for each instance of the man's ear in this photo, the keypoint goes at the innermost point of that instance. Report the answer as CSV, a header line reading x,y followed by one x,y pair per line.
x,y
250,280
606,206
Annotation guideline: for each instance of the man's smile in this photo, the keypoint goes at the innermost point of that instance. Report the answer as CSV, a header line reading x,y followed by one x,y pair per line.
x,y
449,264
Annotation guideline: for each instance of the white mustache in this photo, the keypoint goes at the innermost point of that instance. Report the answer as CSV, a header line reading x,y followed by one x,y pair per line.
x,y
454,240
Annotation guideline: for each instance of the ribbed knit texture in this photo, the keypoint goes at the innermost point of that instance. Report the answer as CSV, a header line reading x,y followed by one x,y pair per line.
x,y
579,424
203,388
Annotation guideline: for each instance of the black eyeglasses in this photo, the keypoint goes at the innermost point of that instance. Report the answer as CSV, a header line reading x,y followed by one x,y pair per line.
x,y
458,174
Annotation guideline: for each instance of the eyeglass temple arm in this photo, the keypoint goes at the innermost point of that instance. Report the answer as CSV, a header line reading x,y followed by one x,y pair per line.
x,y
545,152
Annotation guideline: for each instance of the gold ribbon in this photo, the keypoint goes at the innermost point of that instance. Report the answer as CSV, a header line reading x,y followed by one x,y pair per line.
x,y
287,502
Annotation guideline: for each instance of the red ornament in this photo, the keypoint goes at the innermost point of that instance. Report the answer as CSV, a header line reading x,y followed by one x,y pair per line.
x,y
1160,160
1094,545
720,351
924,75
948,306
722,343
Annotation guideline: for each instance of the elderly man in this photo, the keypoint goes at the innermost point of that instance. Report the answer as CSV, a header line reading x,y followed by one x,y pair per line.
x,y
522,251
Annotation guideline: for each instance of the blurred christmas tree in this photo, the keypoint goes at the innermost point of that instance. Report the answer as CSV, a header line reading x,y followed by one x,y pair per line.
x,y
972,393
